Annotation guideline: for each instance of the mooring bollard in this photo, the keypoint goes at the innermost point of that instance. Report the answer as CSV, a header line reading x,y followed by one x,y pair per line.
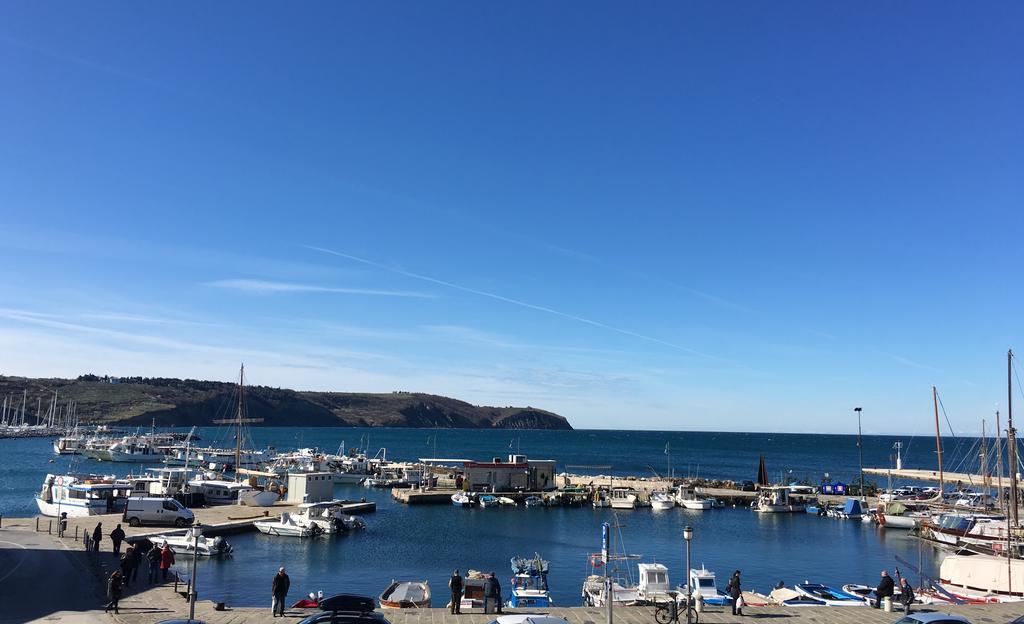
x,y
37,524
49,527
76,534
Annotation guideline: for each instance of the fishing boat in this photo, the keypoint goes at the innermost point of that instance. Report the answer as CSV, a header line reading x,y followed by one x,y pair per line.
x,y
623,498
851,510
534,501
80,495
224,492
624,592
505,501
653,583
287,526
601,500
831,596
530,583
136,449
687,498
187,543
776,500
462,499
901,515
488,501
68,445
662,501
702,582
406,595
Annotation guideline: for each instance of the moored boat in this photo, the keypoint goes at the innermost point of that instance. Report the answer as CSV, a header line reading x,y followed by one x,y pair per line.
x,y
187,543
830,596
462,499
287,526
406,595
80,495
776,500
530,583
661,501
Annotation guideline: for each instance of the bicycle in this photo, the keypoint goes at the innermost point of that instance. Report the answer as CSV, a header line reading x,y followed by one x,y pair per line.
x,y
666,612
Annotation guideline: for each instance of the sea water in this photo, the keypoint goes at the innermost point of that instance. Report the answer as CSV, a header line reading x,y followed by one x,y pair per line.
x,y
426,542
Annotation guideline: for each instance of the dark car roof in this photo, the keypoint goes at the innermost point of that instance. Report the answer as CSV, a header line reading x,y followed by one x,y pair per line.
x,y
338,617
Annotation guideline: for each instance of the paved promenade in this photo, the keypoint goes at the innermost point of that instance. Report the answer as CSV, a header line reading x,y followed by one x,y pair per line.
x,y
44,579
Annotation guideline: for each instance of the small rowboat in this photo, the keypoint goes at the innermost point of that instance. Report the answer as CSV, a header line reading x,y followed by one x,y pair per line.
x,y
406,595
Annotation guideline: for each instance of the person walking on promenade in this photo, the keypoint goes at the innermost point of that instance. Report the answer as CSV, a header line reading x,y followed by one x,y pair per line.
x,y
279,589
885,589
153,557
113,591
166,560
906,595
97,536
117,536
735,591
62,524
455,583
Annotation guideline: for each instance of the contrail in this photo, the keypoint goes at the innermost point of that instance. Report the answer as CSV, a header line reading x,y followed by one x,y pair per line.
x,y
524,304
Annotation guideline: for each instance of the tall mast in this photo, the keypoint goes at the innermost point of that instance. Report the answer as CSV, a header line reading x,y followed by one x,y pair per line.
x,y
999,464
985,481
1011,438
238,430
938,440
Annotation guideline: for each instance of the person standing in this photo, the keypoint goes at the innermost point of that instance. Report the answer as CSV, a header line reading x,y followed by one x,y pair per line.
x,y
735,591
455,584
117,536
113,591
906,595
279,589
127,561
97,537
136,551
166,560
153,557
497,593
62,524
885,589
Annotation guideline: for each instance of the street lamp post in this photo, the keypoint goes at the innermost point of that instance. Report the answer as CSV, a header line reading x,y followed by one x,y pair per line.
x,y
196,532
860,450
688,535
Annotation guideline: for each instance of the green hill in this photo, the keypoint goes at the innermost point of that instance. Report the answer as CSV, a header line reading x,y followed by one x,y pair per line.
x,y
183,402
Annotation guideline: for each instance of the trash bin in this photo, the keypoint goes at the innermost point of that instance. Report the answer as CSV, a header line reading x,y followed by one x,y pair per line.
x,y
887,604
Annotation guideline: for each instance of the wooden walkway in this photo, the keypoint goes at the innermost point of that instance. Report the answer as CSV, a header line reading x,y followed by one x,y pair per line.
x,y
161,603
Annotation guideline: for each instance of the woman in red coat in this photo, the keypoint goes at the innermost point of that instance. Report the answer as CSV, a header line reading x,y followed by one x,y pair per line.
x,y
166,560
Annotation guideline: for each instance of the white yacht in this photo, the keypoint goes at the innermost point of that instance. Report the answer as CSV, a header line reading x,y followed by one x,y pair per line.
x,y
81,495
141,450
687,498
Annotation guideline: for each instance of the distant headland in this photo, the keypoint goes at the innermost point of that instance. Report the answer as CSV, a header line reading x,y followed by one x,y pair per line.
x,y
186,402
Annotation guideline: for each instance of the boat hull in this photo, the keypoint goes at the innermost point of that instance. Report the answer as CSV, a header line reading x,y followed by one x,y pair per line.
x,y
71,508
406,595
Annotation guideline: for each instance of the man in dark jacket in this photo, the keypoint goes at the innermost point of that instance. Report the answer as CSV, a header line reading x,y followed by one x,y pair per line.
x,y
127,560
97,536
492,594
113,591
153,557
136,551
735,592
117,536
906,595
885,588
280,590
455,583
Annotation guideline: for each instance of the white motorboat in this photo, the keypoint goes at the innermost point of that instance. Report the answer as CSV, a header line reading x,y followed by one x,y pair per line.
x,y
287,526
487,500
136,449
662,501
533,501
703,582
506,501
831,596
776,500
187,543
80,495
462,499
595,595
601,500
328,515
406,595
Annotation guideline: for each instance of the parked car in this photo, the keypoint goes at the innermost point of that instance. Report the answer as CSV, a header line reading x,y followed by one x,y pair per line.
x,y
748,486
933,618
148,510
346,609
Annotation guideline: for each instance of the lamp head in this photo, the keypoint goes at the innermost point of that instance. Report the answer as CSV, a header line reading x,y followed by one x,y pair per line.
x,y
856,409
688,533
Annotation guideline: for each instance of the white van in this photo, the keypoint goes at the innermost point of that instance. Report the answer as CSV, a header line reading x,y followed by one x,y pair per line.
x,y
141,510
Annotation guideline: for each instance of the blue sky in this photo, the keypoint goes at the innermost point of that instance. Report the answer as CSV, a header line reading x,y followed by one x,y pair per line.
x,y
734,216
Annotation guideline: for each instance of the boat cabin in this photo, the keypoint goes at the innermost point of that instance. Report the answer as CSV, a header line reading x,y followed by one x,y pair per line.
x,y
81,495
654,585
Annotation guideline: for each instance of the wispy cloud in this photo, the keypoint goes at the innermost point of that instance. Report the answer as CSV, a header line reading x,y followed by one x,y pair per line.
x,y
517,302
911,363
263,287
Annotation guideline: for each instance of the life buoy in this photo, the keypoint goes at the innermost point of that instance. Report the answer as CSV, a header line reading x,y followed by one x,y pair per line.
x,y
596,560
59,481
